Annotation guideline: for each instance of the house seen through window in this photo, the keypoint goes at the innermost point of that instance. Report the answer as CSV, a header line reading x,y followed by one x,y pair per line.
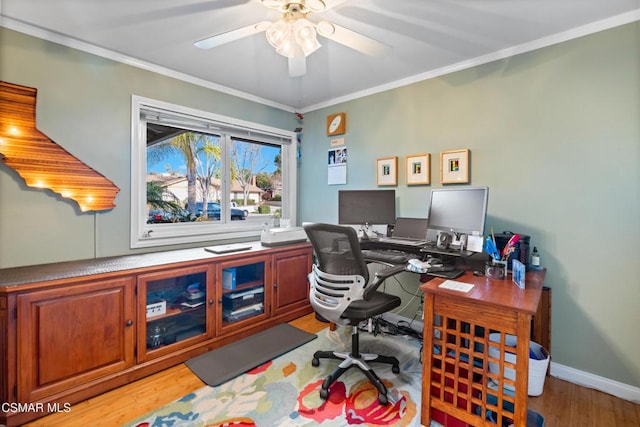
x,y
204,177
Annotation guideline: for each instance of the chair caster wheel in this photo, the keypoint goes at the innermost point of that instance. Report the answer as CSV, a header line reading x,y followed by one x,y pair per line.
x,y
395,369
382,399
324,394
315,362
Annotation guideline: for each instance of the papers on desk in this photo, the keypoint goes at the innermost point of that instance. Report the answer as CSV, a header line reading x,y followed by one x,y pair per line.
x,y
456,286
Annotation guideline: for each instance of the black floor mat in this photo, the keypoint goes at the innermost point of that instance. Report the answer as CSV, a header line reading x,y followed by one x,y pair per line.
x,y
229,361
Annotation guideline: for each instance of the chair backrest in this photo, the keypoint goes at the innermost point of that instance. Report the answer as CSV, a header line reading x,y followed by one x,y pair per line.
x,y
340,275
337,249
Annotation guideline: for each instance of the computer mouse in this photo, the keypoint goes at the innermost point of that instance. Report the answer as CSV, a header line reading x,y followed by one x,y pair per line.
x,y
435,262
478,273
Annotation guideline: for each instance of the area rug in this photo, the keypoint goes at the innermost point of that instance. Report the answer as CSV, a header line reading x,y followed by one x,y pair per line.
x,y
284,391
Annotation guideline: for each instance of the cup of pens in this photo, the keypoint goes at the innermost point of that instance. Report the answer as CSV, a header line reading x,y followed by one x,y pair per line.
x,y
495,269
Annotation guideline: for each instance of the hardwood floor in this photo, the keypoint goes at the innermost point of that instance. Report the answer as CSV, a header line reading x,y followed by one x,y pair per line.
x,y
562,404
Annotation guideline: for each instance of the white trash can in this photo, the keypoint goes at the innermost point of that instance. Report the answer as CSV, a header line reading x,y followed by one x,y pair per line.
x,y
538,363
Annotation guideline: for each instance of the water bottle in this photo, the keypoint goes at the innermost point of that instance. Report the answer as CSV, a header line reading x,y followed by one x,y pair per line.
x,y
535,258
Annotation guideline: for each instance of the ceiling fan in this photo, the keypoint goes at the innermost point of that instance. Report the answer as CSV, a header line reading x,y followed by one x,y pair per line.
x,y
295,35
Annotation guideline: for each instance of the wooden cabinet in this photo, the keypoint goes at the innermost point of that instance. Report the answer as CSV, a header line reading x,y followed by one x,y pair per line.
x,y
175,310
71,335
290,283
460,327
73,330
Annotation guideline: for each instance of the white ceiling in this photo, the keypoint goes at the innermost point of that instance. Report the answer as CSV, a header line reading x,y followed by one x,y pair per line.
x,y
426,38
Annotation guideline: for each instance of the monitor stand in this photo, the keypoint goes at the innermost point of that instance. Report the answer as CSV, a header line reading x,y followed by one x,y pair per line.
x,y
364,233
458,241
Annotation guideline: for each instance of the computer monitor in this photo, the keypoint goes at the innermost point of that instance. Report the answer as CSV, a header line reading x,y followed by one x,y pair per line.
x,y
366,207
459,210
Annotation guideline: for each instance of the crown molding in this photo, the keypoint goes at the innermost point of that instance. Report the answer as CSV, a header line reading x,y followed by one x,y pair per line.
x,y
564,36
63,40
574,33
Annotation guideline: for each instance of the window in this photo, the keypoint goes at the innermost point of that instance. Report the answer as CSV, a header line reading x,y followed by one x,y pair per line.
x,y
198,176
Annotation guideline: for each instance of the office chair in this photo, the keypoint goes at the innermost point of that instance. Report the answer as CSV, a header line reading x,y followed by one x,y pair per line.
x,y
341,293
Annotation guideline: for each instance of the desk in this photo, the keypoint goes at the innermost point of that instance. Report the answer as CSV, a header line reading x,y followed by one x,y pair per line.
x,y
456,330
376,244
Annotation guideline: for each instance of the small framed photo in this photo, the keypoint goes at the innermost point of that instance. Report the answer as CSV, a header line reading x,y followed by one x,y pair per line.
x,y
387,171
454,166
418,169
518,273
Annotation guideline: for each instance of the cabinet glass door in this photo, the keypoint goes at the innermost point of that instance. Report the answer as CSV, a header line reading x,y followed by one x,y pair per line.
x,y
244,291
176,310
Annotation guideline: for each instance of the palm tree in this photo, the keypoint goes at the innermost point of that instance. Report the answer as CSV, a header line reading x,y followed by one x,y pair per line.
x,y
156,201
198,150
207,163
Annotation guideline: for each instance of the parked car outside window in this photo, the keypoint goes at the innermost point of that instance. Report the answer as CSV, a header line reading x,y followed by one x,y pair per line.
x,y
162,216
213,212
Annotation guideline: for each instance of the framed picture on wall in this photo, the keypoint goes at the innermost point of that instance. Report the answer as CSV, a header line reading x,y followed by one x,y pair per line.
x,y
387,171
418,169
454,166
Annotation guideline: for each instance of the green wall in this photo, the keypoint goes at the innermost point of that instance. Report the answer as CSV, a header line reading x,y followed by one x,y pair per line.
x,y
555,134
84,104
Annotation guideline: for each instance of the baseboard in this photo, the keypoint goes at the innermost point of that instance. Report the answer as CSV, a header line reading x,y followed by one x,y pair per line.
x,y
605,385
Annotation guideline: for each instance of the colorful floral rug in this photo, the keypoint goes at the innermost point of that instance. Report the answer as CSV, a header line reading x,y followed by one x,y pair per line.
x,y
284,391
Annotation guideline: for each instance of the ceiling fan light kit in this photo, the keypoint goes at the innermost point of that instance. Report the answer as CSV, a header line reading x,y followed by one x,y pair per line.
x,y
296,37
293,38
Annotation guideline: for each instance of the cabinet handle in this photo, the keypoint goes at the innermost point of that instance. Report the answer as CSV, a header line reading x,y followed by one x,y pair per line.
x,y
211,302
220,301
275,285
129,322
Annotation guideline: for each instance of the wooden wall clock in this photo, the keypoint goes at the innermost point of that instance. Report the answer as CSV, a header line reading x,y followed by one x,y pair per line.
x,y
336,124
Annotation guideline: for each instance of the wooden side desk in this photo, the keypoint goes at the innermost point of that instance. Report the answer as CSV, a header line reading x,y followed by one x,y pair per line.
x,y
456,380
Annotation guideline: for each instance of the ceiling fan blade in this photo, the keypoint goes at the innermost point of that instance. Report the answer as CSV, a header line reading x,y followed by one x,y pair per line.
x,y
297,66
232,35
351,39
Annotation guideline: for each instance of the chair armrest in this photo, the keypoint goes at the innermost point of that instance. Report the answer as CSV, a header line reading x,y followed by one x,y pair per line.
x,y
390,271
380,277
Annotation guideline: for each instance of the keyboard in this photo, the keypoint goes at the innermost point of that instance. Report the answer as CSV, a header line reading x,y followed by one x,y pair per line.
x,y
388,256
223,249
446,272
405,242
431,248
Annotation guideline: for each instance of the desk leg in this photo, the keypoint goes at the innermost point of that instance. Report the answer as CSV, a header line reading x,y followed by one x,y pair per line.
x,y
427,360
522,367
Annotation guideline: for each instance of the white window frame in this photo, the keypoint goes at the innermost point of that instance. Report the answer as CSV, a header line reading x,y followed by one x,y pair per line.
x,y
145,235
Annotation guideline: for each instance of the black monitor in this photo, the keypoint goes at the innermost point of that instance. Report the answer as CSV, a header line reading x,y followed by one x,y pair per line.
x,y
459,210
366,207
